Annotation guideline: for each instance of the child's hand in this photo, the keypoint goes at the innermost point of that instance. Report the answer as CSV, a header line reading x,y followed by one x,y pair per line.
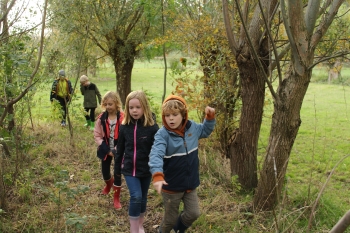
x,y
209,112
158,185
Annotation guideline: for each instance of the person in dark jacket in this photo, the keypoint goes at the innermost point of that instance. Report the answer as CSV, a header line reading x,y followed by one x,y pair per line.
x,y
61,91
174,162
136,136
90,92
106,135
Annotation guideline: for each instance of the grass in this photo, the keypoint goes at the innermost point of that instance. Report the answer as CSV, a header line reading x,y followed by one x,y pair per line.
x,y
58,189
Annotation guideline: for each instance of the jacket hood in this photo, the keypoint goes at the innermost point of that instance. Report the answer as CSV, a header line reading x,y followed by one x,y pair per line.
x,y
180,131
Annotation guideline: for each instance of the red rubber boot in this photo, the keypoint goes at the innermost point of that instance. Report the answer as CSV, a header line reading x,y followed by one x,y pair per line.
x,y
116,199
108,186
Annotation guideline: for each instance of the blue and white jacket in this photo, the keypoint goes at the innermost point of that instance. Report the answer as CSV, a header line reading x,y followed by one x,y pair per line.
x,y
175,157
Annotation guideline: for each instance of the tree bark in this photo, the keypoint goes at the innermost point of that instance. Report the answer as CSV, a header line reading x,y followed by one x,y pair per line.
x,y
250,47
334,71
3,200
244,148
284,129
123,72
342,224
123,55
290,94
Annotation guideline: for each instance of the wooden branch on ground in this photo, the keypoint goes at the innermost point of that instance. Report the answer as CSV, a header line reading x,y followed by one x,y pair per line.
x,y
342,224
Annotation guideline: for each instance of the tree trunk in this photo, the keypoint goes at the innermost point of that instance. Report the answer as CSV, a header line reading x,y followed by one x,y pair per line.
x,y
3,199
284,128
123,54
334,71
123,72
5,39
243,149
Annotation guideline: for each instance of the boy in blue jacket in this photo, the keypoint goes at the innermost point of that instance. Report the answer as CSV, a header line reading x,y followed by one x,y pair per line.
x,y
174,162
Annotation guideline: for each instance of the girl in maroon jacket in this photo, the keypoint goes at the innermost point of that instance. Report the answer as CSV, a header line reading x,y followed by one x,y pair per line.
x,y
136,136
106,133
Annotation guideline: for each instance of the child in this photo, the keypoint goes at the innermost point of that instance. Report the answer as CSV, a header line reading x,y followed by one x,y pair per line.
x,y
106,136
62,90
90,92
174,162
136,137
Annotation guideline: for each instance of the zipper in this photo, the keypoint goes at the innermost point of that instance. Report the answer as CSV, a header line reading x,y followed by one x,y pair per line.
x,y
188,167
134,164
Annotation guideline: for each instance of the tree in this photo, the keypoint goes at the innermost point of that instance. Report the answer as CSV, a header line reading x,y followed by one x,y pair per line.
x,y
200,33
17,77
14,57
303,40
335,42
116,27
244,41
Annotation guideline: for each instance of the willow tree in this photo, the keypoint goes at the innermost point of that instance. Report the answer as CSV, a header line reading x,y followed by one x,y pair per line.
x,y
116,27
249,44
303,37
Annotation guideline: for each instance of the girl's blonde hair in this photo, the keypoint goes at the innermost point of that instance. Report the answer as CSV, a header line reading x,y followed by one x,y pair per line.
x,y
147,113
115,97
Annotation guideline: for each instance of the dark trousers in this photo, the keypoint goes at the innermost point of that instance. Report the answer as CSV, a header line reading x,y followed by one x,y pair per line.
x,y
90,114
63,103
106,169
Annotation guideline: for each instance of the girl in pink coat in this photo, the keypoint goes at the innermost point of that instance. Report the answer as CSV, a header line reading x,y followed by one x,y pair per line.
x,y
106,133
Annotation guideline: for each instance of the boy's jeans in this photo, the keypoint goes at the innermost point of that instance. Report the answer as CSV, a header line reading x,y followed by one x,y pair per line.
x,y
138,189
171,203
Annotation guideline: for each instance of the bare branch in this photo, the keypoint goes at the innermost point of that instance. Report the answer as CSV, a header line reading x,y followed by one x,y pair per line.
x,y
296,33
324,7
245,20
342,224
321,192
340,54
280,56
268,31
273,93
7,10
326,22
311,15
230,36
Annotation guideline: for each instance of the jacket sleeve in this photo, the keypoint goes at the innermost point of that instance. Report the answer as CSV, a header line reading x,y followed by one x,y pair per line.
x,y
82,89
205,129
102,149
98,132
99,97
118,158
158,151
53,91
70,88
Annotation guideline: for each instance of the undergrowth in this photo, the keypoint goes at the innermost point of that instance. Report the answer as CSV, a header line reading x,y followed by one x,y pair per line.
x,y
59,190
